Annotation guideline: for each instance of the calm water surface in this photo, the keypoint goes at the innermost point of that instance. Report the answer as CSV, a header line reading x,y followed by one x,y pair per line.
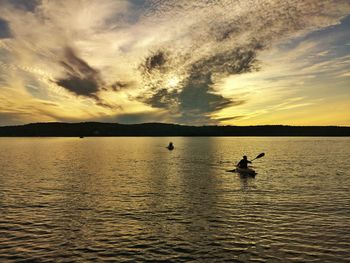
x,y
130,199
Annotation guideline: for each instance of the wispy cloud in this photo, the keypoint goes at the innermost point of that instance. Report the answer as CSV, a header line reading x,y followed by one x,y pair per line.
x,y
346,74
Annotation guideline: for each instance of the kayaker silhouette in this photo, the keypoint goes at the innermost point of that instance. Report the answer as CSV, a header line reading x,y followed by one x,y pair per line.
x,y
170,146
243,163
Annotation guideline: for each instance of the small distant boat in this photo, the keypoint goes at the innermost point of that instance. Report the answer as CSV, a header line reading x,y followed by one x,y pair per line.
x,y
81,137
170,147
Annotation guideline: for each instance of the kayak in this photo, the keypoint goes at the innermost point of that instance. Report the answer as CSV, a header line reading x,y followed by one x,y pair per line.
x,y
244,171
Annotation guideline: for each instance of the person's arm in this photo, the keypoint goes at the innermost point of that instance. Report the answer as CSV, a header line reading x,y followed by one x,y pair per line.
x,y
249,161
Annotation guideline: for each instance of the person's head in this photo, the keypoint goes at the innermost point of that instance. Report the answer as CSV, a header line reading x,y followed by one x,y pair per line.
x,y
170,143
245,157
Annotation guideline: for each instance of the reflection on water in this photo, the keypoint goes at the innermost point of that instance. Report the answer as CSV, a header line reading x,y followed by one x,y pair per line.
x,y
100,199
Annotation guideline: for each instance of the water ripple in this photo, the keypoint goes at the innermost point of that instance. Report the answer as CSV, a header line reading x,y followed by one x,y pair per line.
x,y
110,200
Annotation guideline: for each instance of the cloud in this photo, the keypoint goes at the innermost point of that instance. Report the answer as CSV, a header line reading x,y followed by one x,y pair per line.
x,y
81,78
119,85
165,56
5,31
139,117
25,5
195,95
13,118
131,118
347,74
221,44
154,61
229,118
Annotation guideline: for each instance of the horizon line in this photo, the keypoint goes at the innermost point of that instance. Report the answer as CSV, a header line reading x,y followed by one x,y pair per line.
x,y
178,124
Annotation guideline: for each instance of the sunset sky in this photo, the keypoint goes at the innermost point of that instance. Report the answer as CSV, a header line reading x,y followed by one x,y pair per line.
x,y
227,62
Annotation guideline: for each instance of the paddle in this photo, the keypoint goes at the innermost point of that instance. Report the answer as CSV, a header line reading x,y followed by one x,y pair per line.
x,y
259,156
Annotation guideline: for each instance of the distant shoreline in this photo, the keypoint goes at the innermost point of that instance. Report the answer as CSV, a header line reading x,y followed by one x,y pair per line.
x,y
98,129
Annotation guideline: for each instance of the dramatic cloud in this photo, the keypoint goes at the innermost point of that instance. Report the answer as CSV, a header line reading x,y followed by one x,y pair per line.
x,y
139,57
81,78
155,61
4,29
221,43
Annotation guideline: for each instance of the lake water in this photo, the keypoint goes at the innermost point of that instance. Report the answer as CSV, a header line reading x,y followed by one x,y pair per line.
x,y
130,199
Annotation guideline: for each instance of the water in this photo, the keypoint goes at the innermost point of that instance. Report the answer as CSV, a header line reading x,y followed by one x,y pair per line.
x,y
130,199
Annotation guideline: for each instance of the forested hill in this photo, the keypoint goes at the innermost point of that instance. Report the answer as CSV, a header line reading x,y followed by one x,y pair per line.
x,y
161,129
